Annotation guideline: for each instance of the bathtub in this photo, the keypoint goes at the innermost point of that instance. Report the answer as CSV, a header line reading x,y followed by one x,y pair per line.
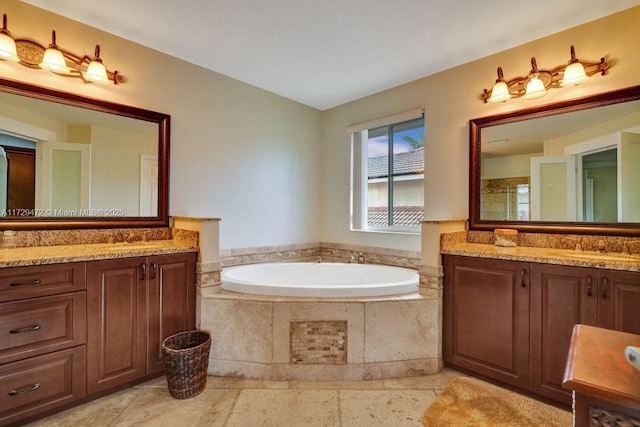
x,y
326,280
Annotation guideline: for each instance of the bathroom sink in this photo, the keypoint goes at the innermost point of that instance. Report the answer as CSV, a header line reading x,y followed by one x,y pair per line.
x,y
604,257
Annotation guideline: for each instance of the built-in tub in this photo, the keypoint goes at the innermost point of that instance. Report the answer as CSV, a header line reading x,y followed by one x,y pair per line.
x,y
321,322
320,280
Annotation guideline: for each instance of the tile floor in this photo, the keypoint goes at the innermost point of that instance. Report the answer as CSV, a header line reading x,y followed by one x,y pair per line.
x,y
231,402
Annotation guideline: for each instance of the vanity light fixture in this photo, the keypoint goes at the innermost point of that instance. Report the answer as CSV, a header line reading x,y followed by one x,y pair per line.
x,y
574,74
500,91
538,82
96,70
7,44
536,86
55,59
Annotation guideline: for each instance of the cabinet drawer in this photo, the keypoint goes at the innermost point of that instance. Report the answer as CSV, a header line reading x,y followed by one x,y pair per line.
x,y
42,325
41,280
41,383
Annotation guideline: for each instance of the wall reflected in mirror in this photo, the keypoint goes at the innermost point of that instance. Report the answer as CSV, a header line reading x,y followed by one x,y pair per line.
x,y
59,160
580,166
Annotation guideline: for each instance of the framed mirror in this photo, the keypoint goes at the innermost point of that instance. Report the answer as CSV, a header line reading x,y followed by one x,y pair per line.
x,y
572,166
68,161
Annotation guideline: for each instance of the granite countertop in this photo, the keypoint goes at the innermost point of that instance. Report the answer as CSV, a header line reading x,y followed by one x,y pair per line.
x,y
611,261
40,255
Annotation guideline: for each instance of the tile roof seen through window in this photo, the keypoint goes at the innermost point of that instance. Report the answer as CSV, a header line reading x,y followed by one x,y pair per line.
x,y
402,216
409,162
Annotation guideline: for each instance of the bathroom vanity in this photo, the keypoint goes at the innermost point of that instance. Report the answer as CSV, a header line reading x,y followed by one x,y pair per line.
x,y
509,312
92,324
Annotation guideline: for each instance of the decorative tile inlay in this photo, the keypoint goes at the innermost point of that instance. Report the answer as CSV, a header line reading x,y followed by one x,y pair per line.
x,y
319,342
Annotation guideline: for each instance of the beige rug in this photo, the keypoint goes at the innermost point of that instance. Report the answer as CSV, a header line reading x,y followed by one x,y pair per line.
x,y
471,402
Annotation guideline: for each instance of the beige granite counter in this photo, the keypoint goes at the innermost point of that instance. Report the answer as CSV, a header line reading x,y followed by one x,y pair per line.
x,y
611,261
39,255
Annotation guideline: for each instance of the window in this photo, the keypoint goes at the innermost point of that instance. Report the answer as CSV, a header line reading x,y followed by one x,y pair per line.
x,y
388,173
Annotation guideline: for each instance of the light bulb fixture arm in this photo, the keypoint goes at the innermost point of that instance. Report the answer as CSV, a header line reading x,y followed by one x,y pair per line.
x,y
31,54
551,78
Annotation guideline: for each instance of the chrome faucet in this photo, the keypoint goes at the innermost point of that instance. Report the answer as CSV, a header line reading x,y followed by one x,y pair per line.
x,y
351,259
361,258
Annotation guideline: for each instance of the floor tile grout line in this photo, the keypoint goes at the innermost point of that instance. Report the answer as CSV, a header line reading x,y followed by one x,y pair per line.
x,y
233,407
140,391
339,408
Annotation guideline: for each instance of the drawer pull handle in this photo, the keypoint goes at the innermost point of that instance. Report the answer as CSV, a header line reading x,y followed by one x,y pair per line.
x,y
589,280
25,390
31,282
604,287
522,281
154,270
143,275
25,329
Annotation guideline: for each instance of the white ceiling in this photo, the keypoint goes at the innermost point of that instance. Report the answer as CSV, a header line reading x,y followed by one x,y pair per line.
x,y
324,53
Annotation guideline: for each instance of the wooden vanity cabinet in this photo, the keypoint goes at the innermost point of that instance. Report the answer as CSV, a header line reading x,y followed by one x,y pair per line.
x,y
486,317
619,301
133,304
42,339
172,303
559,297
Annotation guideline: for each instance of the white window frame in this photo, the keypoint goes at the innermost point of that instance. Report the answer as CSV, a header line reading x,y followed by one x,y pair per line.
x,y
359,176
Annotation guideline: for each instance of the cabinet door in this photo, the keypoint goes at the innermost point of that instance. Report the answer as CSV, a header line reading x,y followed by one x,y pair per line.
x,y
618,300
486,317
116,322
171,302
561,296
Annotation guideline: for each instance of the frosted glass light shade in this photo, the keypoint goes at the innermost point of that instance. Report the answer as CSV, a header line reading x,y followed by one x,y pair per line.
x,y
8,48
500,92
53,60
574,74
96,72
535,88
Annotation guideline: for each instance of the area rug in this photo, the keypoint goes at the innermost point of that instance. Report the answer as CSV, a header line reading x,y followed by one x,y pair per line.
x,y
471,402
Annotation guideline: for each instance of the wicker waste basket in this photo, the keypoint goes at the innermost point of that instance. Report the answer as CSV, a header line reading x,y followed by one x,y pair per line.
x,y
186,359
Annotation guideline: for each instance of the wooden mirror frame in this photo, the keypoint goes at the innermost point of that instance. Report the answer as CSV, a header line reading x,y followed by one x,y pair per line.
x,y
475,153
162,120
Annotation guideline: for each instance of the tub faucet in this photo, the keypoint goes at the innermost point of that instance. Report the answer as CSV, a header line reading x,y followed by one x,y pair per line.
x,y
361,258
351,259
319,260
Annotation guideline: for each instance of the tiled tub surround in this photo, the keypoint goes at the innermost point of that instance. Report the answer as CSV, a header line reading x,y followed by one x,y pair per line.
x,y
312,252
386,337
